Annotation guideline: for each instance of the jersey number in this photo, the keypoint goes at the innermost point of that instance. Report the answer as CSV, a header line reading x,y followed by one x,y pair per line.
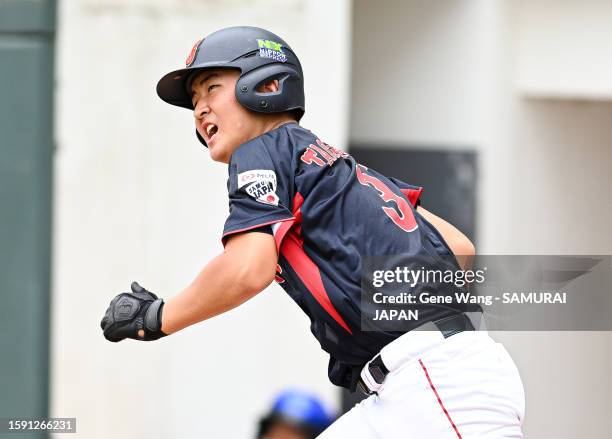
x,y
403,216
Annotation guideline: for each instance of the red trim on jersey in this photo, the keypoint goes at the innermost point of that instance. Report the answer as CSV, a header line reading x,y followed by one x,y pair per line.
x,y
282,230
278,277
309,274
225,235
412,195
291,246
439,399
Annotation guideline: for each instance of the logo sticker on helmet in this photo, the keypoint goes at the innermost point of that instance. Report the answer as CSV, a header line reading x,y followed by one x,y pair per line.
x,y
272,50
192,55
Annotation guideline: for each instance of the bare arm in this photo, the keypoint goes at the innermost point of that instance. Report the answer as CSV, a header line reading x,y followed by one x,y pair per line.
x,y
246,267
460,245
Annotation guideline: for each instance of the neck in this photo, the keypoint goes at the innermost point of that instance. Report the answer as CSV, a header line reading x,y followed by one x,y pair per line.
x,y
277,122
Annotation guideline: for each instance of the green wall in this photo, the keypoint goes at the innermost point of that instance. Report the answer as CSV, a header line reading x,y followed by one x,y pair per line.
x,y
26,151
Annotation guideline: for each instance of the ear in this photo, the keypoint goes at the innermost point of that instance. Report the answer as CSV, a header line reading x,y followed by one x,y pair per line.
x,y
269,87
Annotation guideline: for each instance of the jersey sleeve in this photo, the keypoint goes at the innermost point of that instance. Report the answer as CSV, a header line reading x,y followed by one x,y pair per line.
x,y
258,188
413,193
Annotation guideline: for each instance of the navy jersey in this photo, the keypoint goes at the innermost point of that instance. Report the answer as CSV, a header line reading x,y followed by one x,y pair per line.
x,y
327,212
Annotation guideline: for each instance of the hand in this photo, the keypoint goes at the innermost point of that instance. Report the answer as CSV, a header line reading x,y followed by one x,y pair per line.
x,y
135,315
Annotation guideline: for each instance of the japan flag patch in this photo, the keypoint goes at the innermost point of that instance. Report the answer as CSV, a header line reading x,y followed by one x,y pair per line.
x,y
260,184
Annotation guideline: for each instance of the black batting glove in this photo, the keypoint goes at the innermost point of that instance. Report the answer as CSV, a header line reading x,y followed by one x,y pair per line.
x,y
128,313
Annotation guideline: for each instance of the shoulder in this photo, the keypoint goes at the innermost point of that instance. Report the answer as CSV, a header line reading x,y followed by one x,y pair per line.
x,y
271,140
298,135
289,134
277,146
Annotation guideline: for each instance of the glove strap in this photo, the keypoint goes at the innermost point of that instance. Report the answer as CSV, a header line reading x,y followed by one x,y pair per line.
x,y
153,321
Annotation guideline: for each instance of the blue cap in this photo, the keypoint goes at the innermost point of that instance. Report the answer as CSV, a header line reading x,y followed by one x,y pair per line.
x,y
300,409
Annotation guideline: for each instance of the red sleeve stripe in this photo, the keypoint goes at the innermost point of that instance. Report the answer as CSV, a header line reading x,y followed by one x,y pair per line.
x,y
412,195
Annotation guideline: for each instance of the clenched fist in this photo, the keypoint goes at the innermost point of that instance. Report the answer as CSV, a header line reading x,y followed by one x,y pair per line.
x,y
135,315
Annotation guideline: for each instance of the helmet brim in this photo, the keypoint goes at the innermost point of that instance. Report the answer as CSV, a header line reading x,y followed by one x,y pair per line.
x,y
173,87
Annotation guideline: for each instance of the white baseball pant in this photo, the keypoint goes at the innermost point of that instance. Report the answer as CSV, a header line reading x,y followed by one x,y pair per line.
x,y
463,387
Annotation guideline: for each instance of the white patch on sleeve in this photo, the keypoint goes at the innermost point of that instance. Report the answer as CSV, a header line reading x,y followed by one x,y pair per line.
x,y
260,184
247,177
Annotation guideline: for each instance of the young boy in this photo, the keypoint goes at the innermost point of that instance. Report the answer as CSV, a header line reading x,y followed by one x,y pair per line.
x,y
307,215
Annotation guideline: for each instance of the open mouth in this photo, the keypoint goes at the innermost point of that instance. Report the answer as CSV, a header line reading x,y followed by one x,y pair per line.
x,y
211,130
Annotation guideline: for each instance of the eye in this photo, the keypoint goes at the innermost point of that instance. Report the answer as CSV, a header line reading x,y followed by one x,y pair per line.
x,y
210,87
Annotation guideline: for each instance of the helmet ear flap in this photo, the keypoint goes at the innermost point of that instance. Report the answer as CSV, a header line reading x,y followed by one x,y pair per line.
x,y
201,139
290,95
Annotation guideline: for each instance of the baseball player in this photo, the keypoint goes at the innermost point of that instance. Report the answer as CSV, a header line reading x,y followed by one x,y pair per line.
x,y
305,214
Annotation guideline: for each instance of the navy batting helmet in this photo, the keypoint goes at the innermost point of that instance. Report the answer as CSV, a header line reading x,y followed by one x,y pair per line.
x,y
260,55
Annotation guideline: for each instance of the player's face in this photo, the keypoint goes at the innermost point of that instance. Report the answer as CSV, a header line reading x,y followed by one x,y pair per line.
x,y
281,430
219,118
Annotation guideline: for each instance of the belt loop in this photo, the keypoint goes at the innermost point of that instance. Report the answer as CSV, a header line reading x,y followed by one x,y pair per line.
x,y
373,375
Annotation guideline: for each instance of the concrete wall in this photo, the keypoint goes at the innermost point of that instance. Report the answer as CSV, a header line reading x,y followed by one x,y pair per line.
x,y
442,74
138,198
565,48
